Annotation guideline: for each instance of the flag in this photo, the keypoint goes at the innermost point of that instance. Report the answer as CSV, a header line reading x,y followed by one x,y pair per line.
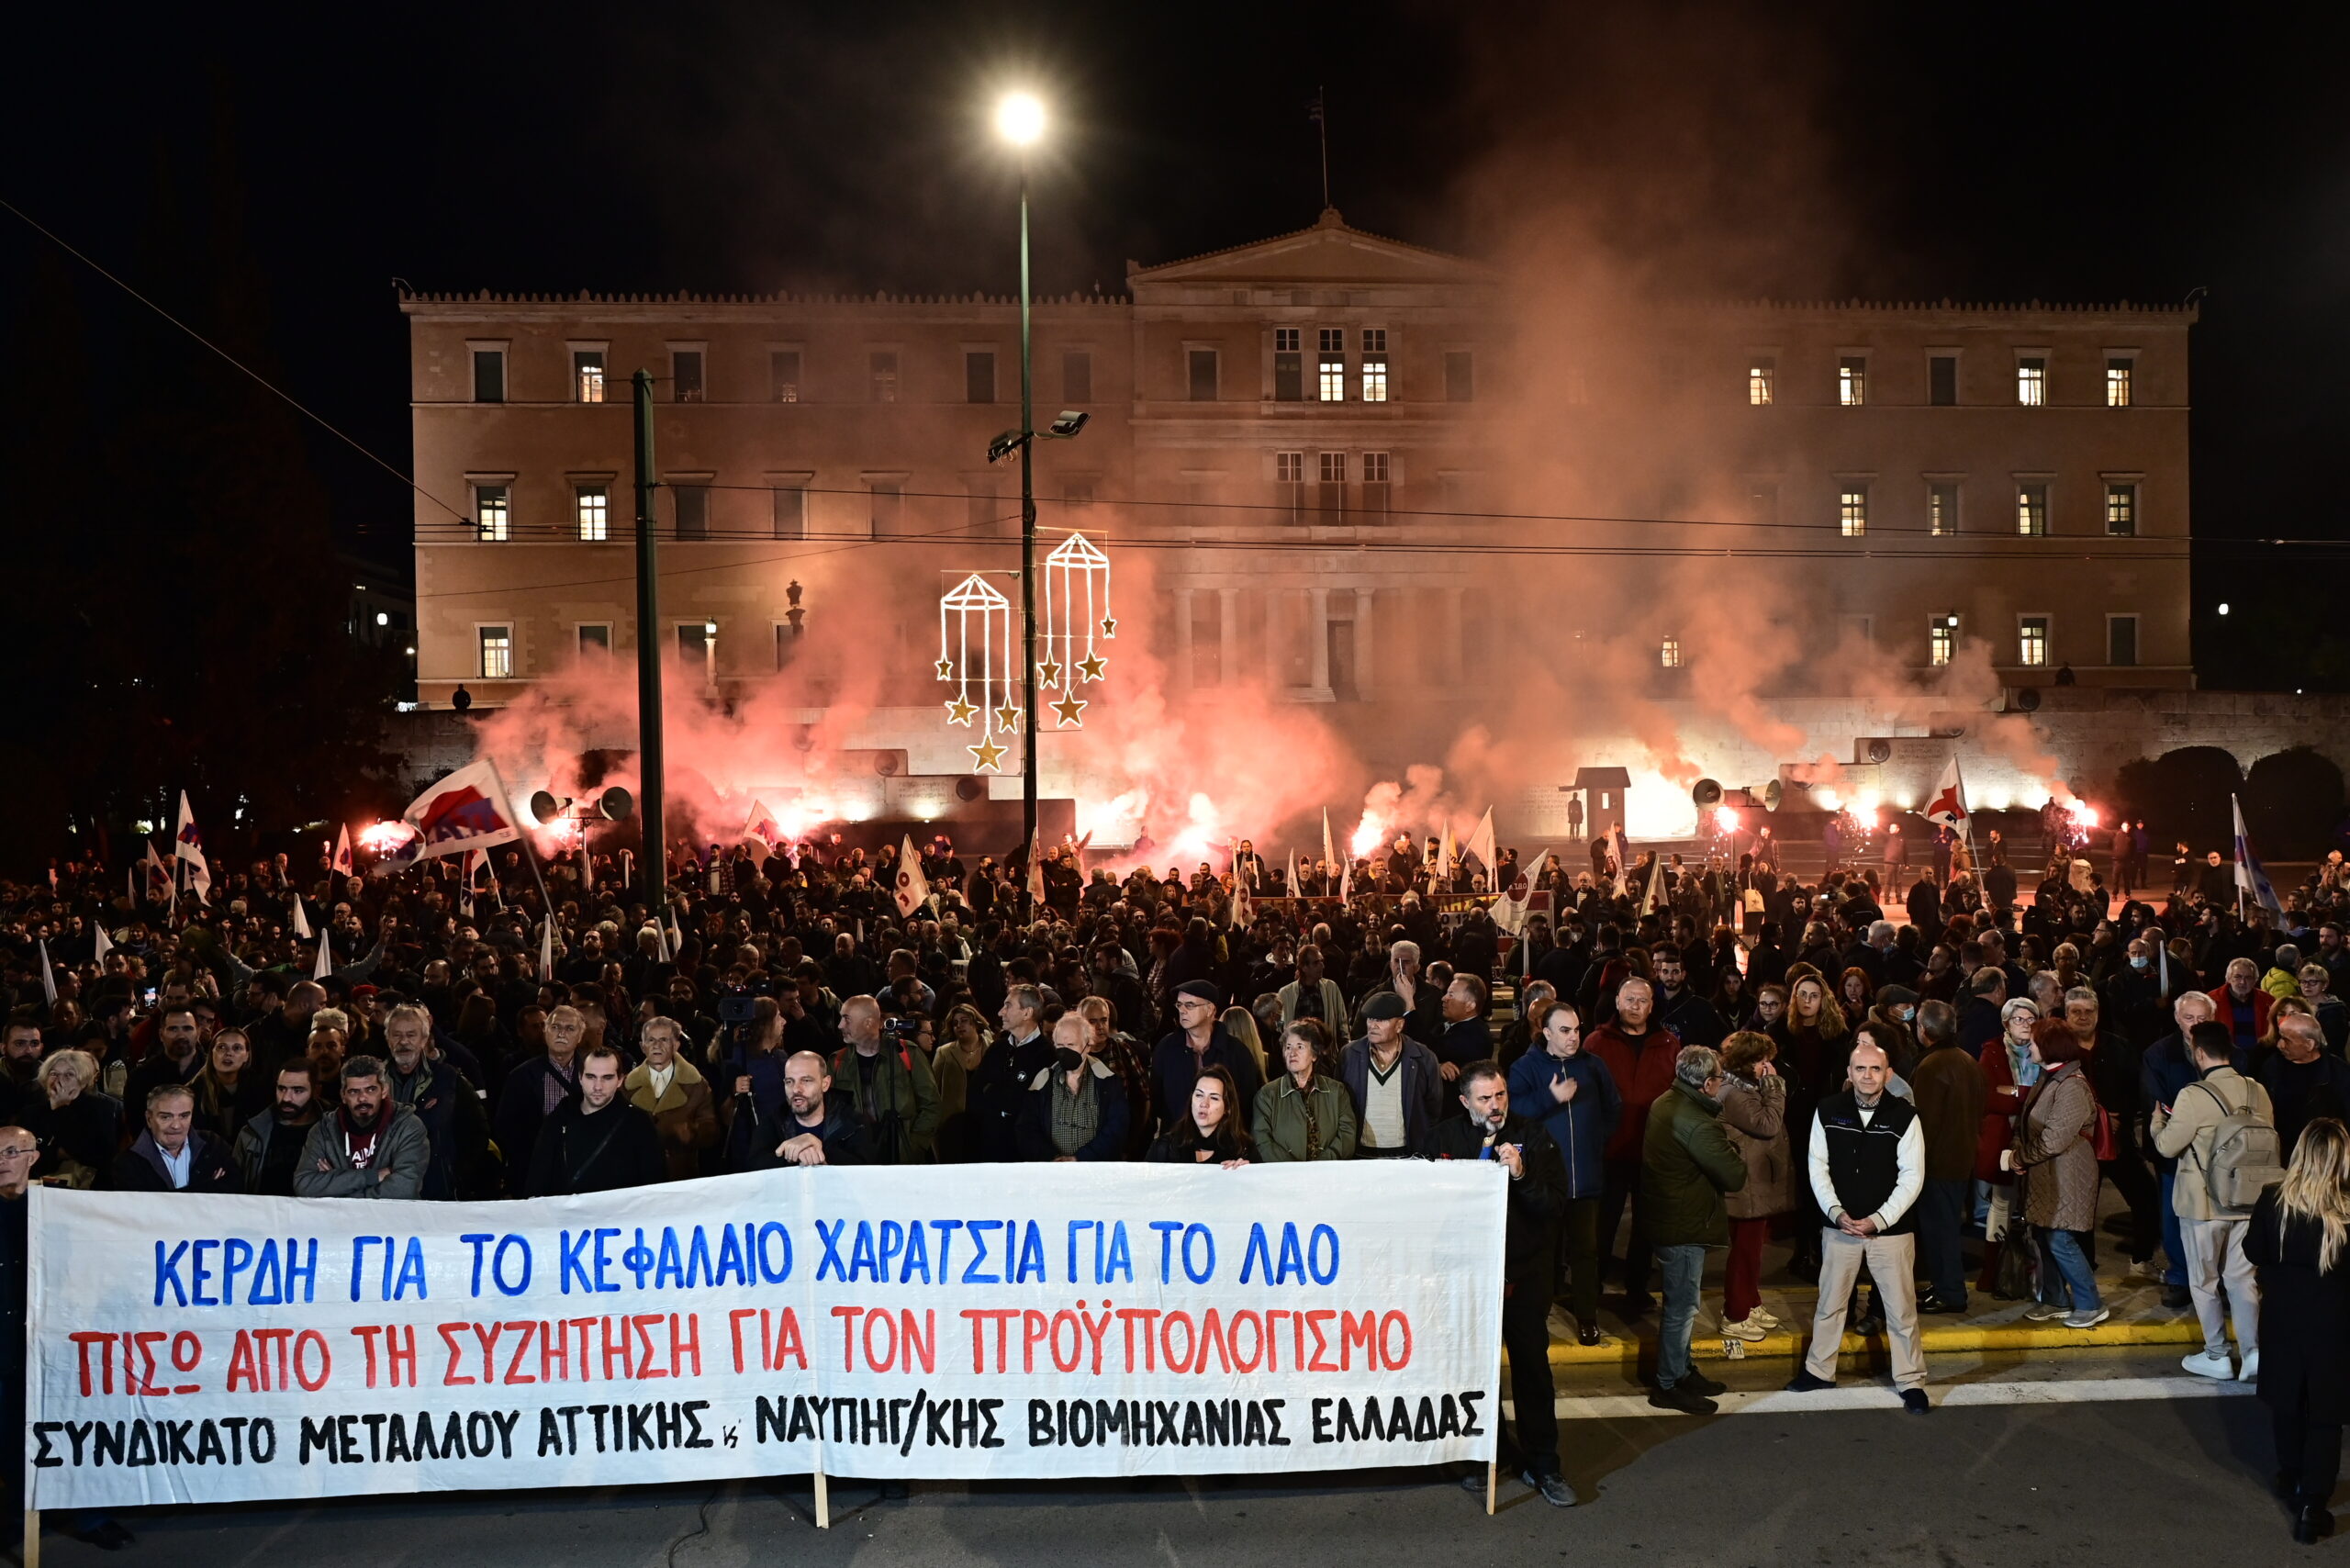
x,y
1346,880
476,862
1446,852
1241,915
188,845
547,949
1330,853
912,889
2252,882
468,810
586,861
1480,844
1619,849
1653,899
761,828
100,942
1036,881
325,966
302,919
1292,884
342,861
1947,806
1510,909
48,975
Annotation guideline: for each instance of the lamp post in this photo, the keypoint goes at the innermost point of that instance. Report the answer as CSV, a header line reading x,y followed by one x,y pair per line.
x,y
1019,120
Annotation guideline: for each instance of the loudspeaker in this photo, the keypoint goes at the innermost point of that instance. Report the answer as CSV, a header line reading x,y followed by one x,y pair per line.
x,y
1880,751
1771,794
2028,698
1706,792
616,803
969,788
544,807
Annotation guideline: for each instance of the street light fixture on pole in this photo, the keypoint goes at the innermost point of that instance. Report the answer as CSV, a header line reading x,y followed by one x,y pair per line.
x,y
1019,120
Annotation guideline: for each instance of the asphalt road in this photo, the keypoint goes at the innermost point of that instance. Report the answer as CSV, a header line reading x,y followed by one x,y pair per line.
x,y
2079,1484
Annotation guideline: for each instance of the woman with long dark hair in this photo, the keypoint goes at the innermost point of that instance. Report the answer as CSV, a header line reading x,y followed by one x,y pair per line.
x,y
1210,1133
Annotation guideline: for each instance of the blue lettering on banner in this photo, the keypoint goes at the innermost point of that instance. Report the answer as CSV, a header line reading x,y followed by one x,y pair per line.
x,y
971,1275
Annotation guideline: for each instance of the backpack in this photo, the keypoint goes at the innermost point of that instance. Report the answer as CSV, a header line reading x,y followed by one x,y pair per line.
x,y
2246,1156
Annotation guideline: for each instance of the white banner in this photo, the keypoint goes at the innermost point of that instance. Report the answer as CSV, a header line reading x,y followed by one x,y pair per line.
x,y
964,1321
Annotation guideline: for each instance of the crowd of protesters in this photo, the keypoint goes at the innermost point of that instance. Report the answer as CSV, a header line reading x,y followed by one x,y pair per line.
x,y
1702,1053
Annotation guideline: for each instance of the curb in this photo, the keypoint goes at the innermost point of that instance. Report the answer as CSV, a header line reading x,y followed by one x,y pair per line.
x,y
1935,1340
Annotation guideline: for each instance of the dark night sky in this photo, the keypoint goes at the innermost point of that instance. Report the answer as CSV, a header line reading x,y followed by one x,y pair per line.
x,y
1911,152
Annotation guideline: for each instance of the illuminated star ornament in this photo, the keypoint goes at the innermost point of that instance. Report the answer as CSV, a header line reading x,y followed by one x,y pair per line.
x,y
1090,666
978,650
1067,709
1076,610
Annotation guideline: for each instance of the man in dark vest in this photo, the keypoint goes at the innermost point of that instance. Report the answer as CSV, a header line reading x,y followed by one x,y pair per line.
x,y
1868,1165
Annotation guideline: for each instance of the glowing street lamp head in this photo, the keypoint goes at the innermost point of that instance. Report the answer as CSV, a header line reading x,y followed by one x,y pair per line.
x,y
1020,119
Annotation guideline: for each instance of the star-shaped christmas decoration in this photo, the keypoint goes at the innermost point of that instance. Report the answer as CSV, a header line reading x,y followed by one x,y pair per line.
x,y
961,713
1048,673
1067,709
986,755
946,670
1109,627
1007,717
1089,666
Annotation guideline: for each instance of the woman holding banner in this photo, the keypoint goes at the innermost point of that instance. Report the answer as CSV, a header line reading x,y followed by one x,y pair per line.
x,y
1212,1134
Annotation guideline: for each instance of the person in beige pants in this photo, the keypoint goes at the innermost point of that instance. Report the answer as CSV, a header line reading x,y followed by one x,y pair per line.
x,y
2219,1277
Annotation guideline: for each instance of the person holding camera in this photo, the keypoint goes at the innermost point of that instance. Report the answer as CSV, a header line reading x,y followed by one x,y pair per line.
x,y
888,1082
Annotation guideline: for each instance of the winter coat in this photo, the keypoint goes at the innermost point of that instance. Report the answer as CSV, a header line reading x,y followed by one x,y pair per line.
x,y
1278,1120
1948,1088
1536,1200
902,1107
581,1150
1643,1071
1582,1128
2186,1134
1112,1117
685,1116
210,1168
2304,1316
1755,1115
1334,1006
1687,1164
2053,1147
402,1147
1175,1068
1997,1128
1425,1102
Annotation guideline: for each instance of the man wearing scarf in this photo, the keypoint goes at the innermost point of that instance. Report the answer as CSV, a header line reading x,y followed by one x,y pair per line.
x,y
371,1147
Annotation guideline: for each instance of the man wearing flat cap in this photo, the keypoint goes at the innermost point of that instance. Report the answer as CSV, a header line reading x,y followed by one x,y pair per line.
x,y
1197,1043
1397,1083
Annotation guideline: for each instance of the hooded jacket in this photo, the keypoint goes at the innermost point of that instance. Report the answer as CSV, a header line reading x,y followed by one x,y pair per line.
x,y
402,1147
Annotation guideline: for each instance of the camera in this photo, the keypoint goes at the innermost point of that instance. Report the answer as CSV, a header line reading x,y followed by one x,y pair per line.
x,y
900,1027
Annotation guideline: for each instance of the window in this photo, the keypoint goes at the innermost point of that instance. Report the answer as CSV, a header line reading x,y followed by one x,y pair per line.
x,y
693,510
493,512
698,647
1375,493
2031,511
1200,364
1942,380
1941,639
1077,375
596,636
1289,480
2032,382
2121,511
1852,511
2122,640
1460,378
685,384
1669,654
2117,382
496,652
978,375
1761,380
783,374
1334,487
1941,509
586,375
783,635
881,376
1330,386
490,375
1853,380
790,511
1289,366
595,509
889,506
2031,641
1374,365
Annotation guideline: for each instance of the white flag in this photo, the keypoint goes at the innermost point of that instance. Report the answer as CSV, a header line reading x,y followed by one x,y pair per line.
x,y
1510,909
188,845
2251,881
1445,853
1481,846
1293,873
1329,853
159,876
1948,804
912,889
325,966
1653,899
100,942
302,919
1241,913
342,861
547,949
1346,880
47,976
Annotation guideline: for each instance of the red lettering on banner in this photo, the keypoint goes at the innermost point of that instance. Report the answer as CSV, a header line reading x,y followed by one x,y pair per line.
x,y
735,1331
685,1347
450,1377
1358,1328
106,1360
849,1317
366,1332
524,1332
1314,1321
644,1323
1034,1326
787,1342
1002,1317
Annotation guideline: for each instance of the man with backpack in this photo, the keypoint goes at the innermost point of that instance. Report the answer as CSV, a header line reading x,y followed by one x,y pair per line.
x,y
2222,1131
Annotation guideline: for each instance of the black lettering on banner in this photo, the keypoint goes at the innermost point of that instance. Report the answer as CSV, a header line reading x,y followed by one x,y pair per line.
x,y
45,1457
1469,1398
1273,1416
1321,1417
988,1439
692,1410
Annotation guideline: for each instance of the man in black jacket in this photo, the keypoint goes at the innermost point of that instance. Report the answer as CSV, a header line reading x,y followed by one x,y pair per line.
x,y
814,1126
599,1142
1537,1187
173,1154
999,1085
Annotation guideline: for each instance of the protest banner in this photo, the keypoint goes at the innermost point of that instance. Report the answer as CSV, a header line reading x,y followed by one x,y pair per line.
x,y
974,1321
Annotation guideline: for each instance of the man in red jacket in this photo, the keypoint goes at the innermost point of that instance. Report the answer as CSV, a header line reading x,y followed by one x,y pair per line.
x,y
1639,1052
2243,1005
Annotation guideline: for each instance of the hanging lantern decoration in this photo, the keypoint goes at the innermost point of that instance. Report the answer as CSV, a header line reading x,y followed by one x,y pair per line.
x,y
1077,612
979,650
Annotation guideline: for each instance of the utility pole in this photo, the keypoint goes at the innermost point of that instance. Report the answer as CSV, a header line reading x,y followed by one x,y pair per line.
x,y
648,664
1027,577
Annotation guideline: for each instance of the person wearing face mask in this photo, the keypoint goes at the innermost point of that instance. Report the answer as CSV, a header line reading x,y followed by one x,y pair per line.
x,y
1076,1108
1572,1095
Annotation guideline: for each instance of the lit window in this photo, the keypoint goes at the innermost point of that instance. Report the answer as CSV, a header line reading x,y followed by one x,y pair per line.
x,y
2121,511
1941,509
1761,377
2031,511
1852,511
2117,382
2032,382
1669,654
882,373
588,375
783,374
1330,386
1374,365
1853,381
2122,640
497,653
1288,475
1374,483
1334,487
1941,639
1289,362
595,514
686,384
2031,641
490,375
493,512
